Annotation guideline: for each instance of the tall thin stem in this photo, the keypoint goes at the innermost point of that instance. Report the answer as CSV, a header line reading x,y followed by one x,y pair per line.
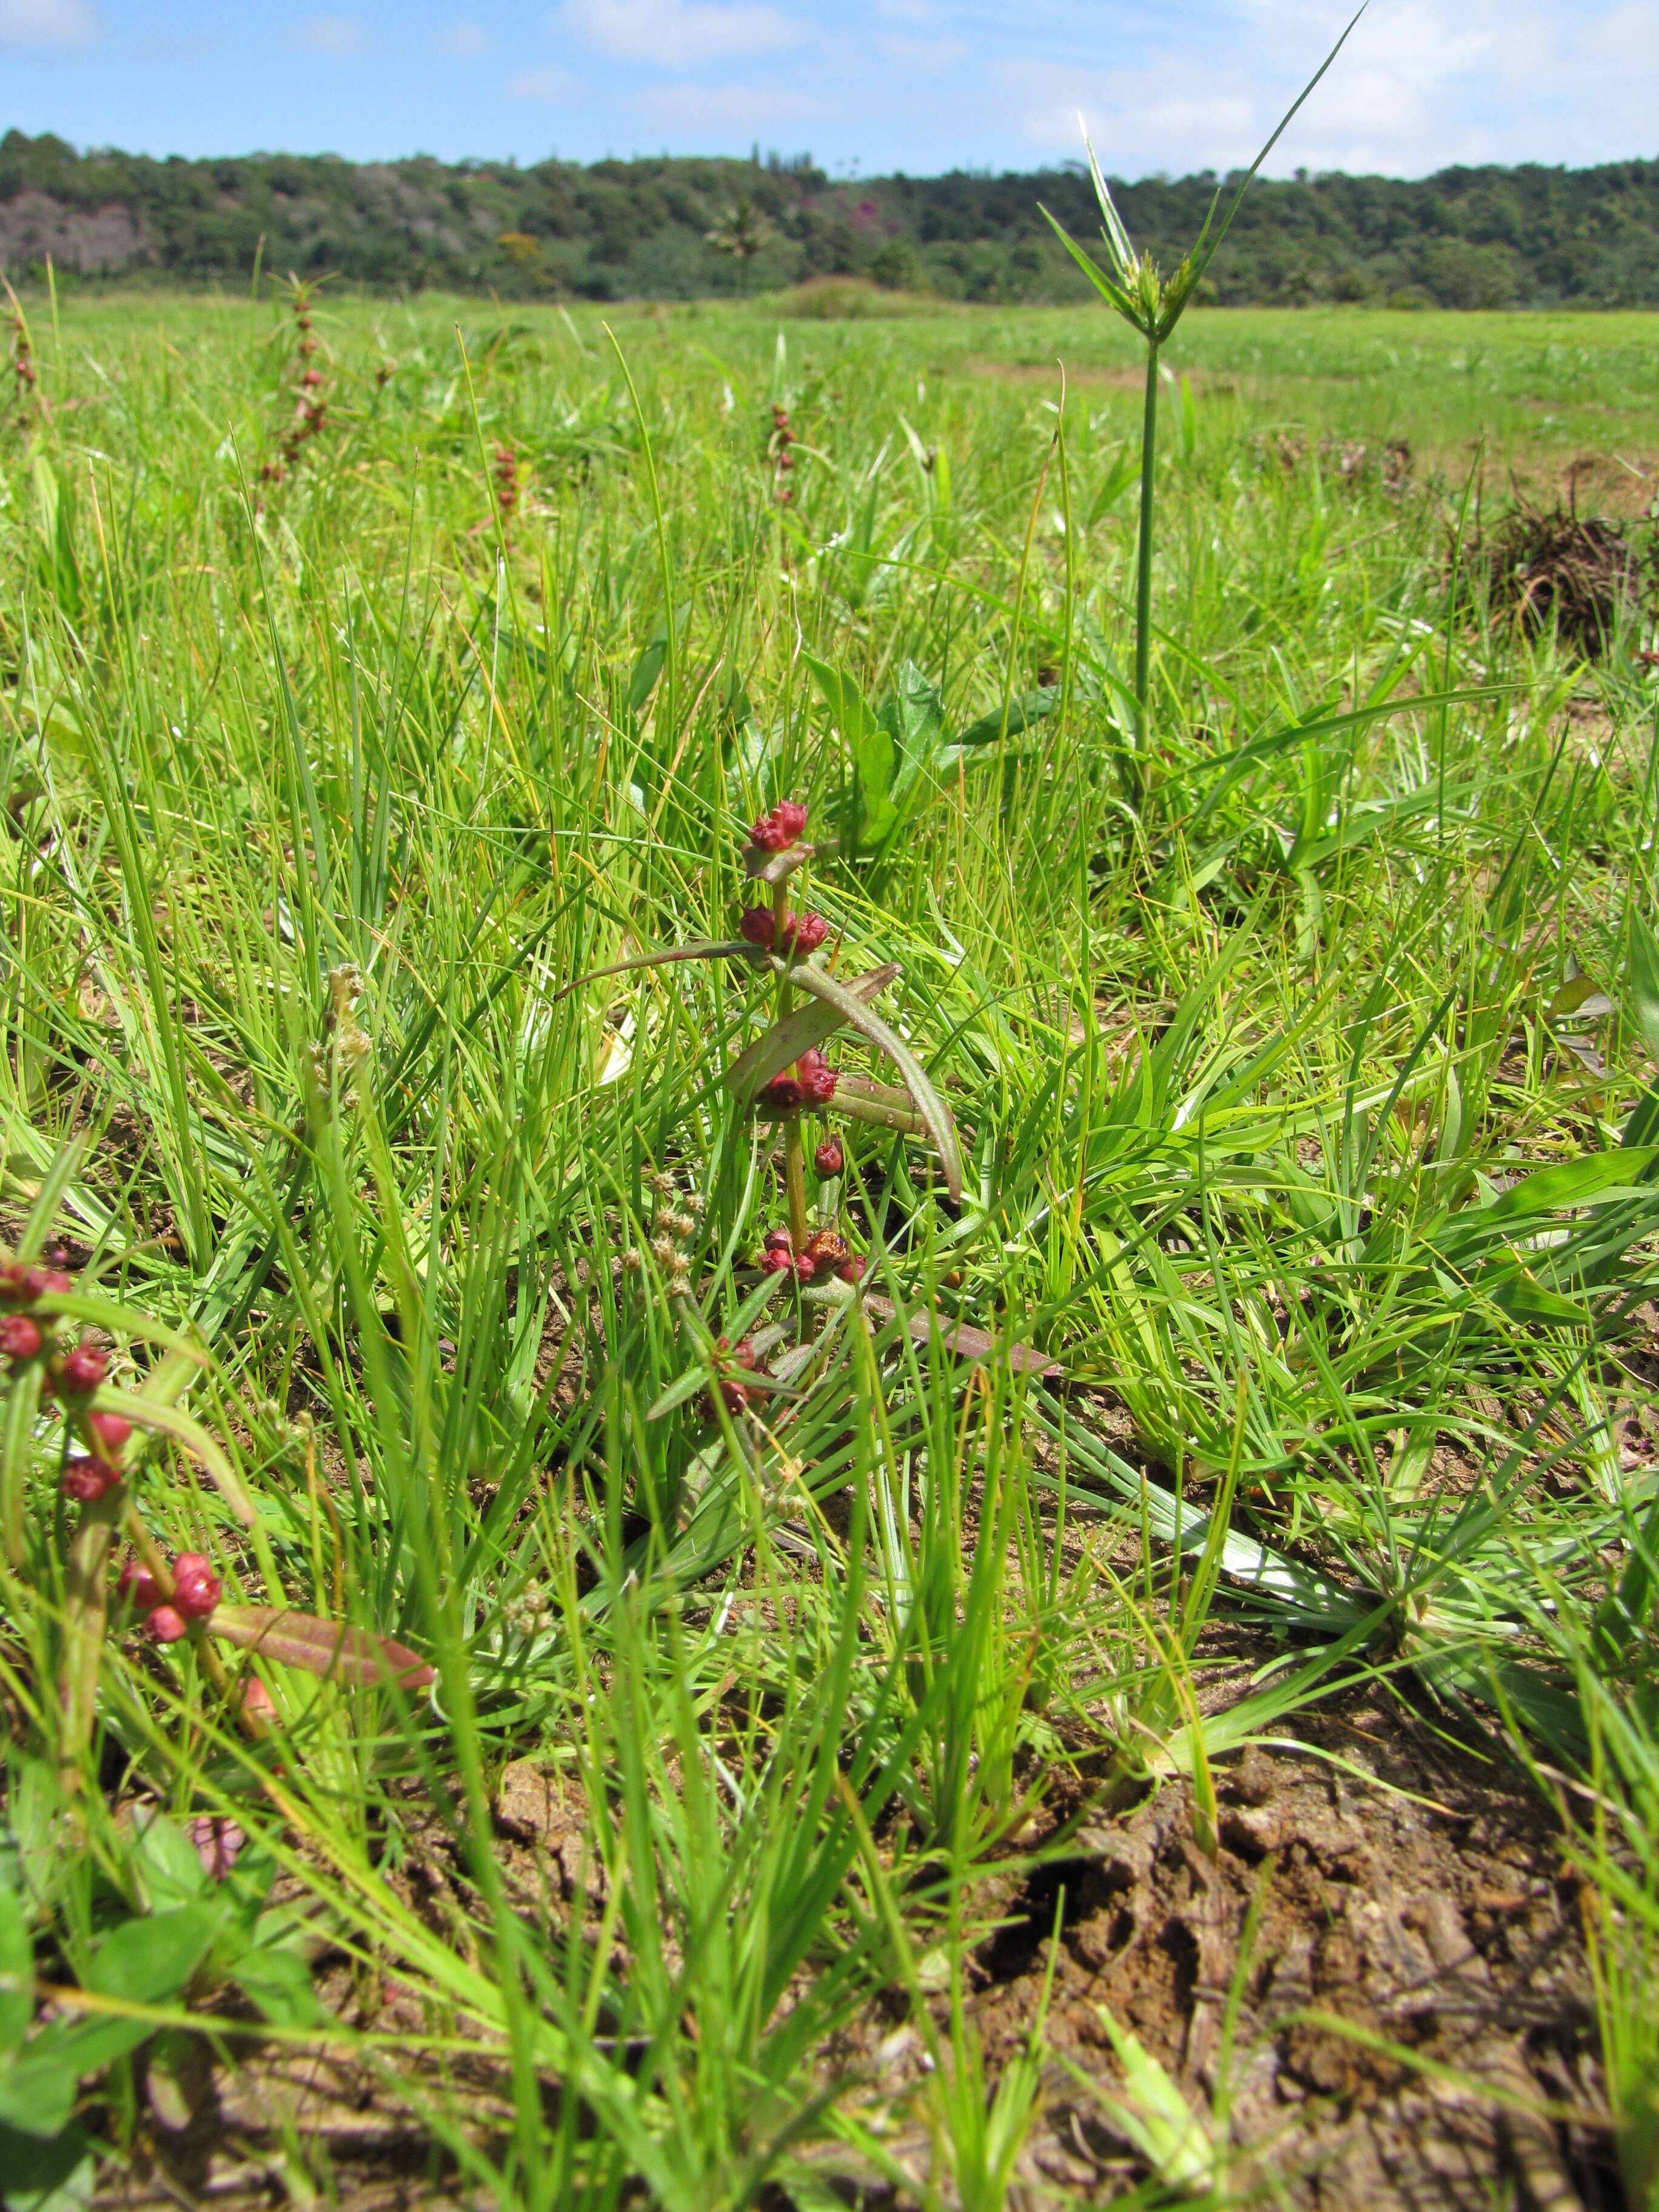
x,y
1143,567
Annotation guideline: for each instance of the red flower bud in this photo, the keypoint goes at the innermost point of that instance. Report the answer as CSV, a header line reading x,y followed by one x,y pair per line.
x,y
816,1079
19,1337
778,1260
810,933
82,1370
743,1353
196,1589
257,1701
85,1481
805,1265
166,1625
778,1240
829,1159
781,1095
109,1433
774,831
734,1397
139,1587
758,926
851,1269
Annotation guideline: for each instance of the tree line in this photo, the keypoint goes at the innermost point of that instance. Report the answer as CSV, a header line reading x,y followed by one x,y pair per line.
x,y
681,227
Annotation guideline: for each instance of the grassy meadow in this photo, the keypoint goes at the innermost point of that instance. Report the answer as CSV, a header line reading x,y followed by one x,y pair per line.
x,y
1144,1690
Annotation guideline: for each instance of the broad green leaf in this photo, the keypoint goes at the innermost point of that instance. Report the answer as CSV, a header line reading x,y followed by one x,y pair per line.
x,y
917,715
326,1648
1597,1179
870,742
57,2175
279,1982
38,2084
798,1032
1642,981
1030,707
170,1863
647,669
929,1105
150,1960
16,1972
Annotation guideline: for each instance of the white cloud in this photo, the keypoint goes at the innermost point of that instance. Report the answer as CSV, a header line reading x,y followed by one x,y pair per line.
x,y
47,23
1421,84
540,84
336,35
924,54
678,33
466,41
706,113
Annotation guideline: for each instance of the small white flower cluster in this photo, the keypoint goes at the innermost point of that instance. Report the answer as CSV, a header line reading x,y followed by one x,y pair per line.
x,y
342,1044
673,1220
528,1614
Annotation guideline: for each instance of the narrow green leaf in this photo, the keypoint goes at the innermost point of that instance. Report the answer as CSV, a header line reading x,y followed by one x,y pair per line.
x,y
151,1413
1113,294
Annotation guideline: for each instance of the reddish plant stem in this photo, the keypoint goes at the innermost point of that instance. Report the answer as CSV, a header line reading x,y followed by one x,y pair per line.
x,y
86,1607
794,1157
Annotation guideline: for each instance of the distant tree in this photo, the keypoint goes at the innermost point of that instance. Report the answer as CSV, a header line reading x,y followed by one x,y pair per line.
x,y
896,268
1529,237
742,231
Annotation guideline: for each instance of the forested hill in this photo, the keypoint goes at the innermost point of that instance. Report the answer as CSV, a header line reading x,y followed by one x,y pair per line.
x,y
1466,238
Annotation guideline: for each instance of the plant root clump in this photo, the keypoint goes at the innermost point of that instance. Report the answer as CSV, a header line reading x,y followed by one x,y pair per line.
x,y
1553,569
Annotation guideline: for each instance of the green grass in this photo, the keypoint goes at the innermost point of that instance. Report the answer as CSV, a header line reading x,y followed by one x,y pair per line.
x,y
1295,1104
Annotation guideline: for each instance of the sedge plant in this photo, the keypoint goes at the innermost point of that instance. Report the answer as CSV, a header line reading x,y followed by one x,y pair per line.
x,y
1153,305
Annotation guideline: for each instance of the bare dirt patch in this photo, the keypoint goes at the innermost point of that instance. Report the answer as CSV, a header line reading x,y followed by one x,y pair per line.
x,y
1442,1922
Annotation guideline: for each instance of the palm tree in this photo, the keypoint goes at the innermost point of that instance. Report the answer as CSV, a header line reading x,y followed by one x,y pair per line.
x,y
741,232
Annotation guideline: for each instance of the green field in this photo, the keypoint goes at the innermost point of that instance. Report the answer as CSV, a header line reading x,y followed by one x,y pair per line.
x,y
1145,1690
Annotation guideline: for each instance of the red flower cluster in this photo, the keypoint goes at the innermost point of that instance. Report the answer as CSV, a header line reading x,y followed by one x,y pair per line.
x,y
310,407
825,1252
812,1083
196,1591
797,933
507,482
780,827
21,1286
778,446
70,1376
734,1394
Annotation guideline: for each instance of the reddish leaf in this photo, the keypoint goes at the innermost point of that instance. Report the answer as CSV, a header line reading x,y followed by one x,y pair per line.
x,y
967,1342
320,1647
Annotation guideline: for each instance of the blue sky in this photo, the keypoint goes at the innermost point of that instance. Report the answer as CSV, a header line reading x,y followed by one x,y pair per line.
x,y
915,84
